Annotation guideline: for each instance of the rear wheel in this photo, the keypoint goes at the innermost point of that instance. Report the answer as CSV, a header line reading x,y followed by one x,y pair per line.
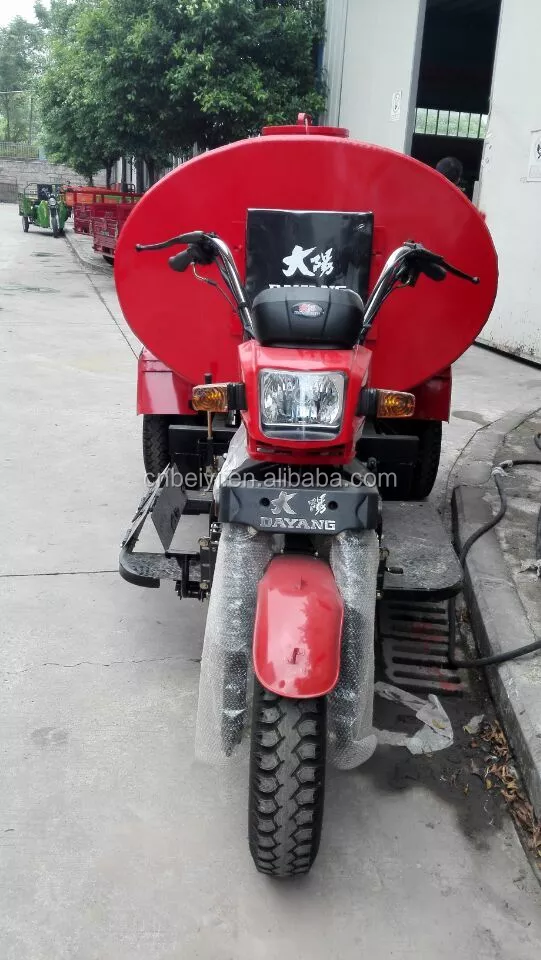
x,y
26,224
109,259
155,443
428,459
425,468
156,453
287,782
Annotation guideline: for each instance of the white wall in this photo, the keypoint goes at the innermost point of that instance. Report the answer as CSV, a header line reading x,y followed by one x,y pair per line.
x,y
372,51
511,203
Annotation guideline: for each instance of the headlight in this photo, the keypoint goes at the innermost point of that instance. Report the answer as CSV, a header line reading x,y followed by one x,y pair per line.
x,y
52,202
301,406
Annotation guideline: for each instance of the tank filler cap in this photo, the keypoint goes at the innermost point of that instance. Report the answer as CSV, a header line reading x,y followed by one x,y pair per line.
x,y
305,126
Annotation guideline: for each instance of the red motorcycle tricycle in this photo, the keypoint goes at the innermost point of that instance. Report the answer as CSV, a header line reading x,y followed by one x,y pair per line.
x,y
289,403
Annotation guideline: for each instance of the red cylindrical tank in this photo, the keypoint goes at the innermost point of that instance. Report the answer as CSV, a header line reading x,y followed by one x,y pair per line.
x,y
419,332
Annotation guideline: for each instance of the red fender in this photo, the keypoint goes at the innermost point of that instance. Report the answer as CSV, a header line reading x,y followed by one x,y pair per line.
x,y
298,628
159,390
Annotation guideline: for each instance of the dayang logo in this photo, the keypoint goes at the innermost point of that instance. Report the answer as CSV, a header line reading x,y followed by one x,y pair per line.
x,y
297,523
282,505
322,262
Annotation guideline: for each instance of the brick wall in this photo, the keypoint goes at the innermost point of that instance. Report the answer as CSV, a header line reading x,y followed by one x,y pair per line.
x,y
41,171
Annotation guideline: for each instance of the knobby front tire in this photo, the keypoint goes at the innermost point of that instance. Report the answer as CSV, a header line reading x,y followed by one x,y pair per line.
x,y
287,782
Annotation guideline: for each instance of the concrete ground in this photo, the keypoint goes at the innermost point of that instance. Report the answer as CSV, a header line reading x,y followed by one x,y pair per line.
x,y
502,589
114,843
517,531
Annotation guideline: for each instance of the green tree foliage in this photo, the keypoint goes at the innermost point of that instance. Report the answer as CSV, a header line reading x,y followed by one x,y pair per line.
x,y
76,120
20,48
244,63
149,78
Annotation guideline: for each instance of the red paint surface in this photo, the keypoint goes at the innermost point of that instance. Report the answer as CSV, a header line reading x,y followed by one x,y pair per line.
x,y
433,397
419,332
298,628
308,130
340,449
159,390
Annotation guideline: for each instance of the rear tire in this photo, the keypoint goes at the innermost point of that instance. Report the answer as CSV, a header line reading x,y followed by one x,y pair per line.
x,y
287,782
428,460
26,224
109,259
425,468
155,443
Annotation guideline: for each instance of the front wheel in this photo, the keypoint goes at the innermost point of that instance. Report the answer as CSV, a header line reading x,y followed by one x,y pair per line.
x,y
26,224
55,225
287,782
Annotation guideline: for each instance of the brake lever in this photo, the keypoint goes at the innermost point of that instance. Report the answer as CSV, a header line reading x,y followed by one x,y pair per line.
x,y
428,256
186,238
460,273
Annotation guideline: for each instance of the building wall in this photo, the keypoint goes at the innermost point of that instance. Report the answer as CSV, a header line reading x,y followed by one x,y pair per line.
x,y
372,52
511,203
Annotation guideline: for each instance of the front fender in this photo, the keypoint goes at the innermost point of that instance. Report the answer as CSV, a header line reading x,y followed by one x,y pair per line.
x,y
298,627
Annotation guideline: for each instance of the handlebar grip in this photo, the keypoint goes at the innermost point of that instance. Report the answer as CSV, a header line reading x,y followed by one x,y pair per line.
x,y
181,261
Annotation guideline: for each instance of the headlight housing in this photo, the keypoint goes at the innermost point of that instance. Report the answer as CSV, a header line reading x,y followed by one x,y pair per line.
x,y
301,406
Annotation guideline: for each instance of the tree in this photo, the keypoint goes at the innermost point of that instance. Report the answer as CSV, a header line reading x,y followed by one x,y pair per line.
x,y
246,63
103,93
149,78
77,121
132,45
20,48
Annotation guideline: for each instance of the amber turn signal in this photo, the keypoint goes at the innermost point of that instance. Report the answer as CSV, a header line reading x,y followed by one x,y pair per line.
x,y
385,403
218,397
393,403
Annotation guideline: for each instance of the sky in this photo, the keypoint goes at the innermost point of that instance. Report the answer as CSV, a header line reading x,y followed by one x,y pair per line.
x,y
14,8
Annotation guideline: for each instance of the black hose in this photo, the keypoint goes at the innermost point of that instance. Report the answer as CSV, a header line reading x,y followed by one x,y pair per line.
x,y
519,651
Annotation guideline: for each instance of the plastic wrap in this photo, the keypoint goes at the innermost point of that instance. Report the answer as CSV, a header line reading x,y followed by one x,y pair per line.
x,y
242,557
236,454
354,560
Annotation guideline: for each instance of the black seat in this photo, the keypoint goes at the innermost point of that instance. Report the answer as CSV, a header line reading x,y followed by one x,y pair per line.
x,y
308,316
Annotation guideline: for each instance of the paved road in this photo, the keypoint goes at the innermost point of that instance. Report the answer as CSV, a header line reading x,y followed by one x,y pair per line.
x,y
114,844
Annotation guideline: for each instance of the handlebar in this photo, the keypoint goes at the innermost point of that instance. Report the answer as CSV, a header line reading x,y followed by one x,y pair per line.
x,y
403,268
404,265
206,248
